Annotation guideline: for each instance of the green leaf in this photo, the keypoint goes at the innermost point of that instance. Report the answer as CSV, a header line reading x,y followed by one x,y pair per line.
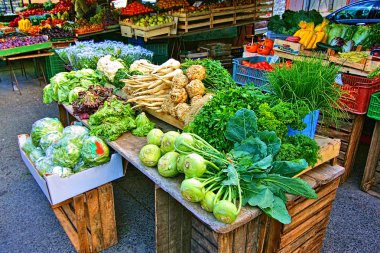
x,y
232,176
273,142
278,211
295,186
264,164
289,168
241,126
263,199
254,146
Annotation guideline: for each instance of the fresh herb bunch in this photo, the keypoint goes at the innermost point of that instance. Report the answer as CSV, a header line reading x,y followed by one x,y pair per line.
x,y
310,80
273,114
217,77
298,146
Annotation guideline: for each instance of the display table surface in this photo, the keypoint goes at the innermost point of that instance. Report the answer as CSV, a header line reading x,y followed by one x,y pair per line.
x,y
168,189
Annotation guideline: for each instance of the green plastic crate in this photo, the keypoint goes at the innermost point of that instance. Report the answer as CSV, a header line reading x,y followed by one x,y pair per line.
x,y
374,106
54,65
158,48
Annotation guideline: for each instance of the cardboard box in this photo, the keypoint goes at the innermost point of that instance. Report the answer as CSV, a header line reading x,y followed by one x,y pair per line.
x,y
287,46
58,189
126,31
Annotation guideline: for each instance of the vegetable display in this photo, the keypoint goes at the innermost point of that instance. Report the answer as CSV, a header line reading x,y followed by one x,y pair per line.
x,y
288,23
217,77
57,150
12,42
63,83
247,174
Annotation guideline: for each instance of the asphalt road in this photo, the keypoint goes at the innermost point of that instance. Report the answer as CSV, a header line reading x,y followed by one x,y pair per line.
x,y
27,223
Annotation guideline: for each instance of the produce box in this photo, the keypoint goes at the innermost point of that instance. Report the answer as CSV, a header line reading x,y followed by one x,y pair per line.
x,y
126,31
287,46
25,49
58,189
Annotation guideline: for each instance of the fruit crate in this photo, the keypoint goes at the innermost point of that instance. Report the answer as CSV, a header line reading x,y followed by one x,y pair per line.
x,y
357,92
374,106
25,49
54,65
244,74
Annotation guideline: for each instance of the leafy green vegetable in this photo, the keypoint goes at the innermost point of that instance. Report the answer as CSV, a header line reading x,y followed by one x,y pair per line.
x,y
63,83
373,37
299,146
272,114
123,74
217,77
94,151
112,119
67,151
361,34
42,127
143,125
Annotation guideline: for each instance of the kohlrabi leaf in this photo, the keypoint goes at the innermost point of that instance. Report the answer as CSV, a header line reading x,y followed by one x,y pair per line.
x,y
232,176
278,211
241,126
272,141
264,163
295,186
263,199
289,168
254,146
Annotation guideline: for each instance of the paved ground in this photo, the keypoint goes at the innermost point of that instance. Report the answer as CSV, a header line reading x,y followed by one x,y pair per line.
x,y
28,225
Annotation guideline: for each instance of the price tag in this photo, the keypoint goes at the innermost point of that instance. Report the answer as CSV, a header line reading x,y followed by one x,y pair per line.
x,y
198,3
338,79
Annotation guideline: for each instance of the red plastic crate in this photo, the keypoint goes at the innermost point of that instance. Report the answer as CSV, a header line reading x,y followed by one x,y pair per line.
x,y
358,92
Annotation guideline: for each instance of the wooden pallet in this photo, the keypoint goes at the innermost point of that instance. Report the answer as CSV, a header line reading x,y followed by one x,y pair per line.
x,y
371,177
304,234
349,132
89,219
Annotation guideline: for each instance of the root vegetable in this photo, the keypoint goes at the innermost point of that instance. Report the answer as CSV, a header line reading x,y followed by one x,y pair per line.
x,y
195,88
178,95
182,110
195,99
196,107
171,63
168,106
180,81
196,72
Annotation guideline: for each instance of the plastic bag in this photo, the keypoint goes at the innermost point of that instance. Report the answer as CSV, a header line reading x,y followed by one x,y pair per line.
x,y
36,154
60,171
49,139
42,127
95,151
80,132
66,152
44,165
28,146
80,166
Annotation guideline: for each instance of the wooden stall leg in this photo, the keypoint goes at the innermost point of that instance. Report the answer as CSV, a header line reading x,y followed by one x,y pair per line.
x,y
353,145
173,224
372,160
62,115
107,214
81,223
14,80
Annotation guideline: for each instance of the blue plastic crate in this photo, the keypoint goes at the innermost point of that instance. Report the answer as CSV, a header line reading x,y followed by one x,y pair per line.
x,y
271,35
244,74
311,121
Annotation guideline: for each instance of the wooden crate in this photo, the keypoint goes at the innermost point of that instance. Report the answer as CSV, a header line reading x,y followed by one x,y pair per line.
x,y
89,219
190,23
304,234
263,7
224,18
349,132
149,32
244,13
371,177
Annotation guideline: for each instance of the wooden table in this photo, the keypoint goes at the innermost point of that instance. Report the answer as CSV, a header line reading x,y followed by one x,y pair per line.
x,y
30,55
182,226
371,181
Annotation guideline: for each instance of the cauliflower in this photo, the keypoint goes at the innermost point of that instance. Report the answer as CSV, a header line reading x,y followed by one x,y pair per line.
x,y
180,81
109,67
195,88
178,95
182,111
196,72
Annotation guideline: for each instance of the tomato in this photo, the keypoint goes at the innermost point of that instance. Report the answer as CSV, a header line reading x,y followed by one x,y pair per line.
x,y
245,63
264,50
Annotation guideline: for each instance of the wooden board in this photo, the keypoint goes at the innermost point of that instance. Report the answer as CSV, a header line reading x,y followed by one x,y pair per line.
x,y
369,180
89,219
341,61
166,118
150,28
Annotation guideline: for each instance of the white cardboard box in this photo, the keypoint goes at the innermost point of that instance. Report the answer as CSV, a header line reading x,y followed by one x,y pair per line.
x,y
58,189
